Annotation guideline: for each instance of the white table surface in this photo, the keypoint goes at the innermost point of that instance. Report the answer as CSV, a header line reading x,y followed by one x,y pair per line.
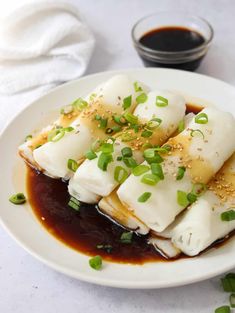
x,y
26,285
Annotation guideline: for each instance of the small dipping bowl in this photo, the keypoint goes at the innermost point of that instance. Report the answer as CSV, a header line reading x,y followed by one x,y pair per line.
x,y
168,52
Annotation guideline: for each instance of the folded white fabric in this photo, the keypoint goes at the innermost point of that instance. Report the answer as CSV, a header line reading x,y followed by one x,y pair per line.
x,y
41,42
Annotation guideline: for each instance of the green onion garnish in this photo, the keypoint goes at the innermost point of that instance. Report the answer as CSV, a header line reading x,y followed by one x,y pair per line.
x,y
104,160
140,169
161,101
201,118
136,128
58,136
103,123
90,155
196,131
131,118
127,102
232,300
154,123
74,204
157,170
18,198
119,158
182,199
92,96
228,282
126,152
109,131
97,117
72,165
137,87
80,104
130,162
107,248
106,148
116,128
142,98
181,126
120,174
228,216
191,197
126,237
96,262
120,120
223,309
146,133
151,156
27,138
67,109
199,189
181,171
125,137
163,149
144,197
150,179
68,129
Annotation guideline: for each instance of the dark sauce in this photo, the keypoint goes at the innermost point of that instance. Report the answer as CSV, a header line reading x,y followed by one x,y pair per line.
x,y
172,39
86,229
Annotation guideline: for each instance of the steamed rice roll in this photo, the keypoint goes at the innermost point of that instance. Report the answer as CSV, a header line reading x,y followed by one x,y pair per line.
x,y
92,123
196,155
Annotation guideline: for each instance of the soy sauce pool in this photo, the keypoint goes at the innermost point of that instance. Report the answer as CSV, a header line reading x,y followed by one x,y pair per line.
x,y
88,228
172,39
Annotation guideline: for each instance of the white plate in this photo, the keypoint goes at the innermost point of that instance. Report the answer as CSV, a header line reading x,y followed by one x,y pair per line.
x,y
26,229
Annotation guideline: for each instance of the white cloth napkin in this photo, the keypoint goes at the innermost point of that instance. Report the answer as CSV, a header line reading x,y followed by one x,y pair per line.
x,y
42,42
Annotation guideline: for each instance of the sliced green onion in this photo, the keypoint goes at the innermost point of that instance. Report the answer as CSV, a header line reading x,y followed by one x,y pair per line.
x,y
103,123
18,198
136,128
92,96
161,101
201,118
151,156
140,169
27,138
68,129
154,123
182,199
120,174
56,134
126,237
228,216
142,98
130,162
146,133
199,189
72,165
191,197
90,155
97,117
116,128
96,262
157,170
228,282
232,300
127,102
150,179
144,197
80,104
107,248
52,134
119,158
74,204
120,120
181,171
163,149
126,152
106,148
223,309
181,126
196,131
131,118
104,160
126,137
137,87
